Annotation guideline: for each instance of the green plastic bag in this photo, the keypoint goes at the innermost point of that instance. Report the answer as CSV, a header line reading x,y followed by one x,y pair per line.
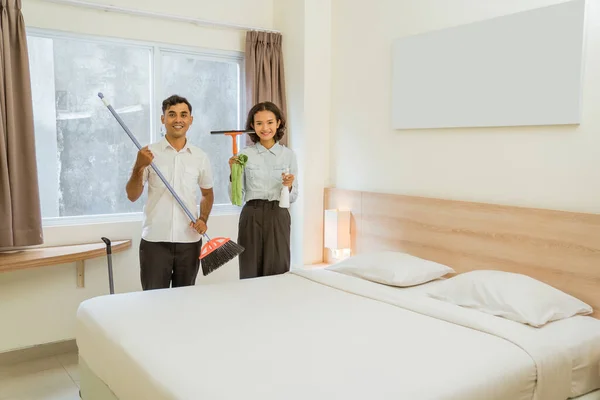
x,y
236,179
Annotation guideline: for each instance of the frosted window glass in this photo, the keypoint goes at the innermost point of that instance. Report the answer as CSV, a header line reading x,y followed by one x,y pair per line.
x,y
213,89
84,157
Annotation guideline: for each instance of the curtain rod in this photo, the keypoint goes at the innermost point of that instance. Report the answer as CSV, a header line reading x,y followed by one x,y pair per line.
x,y
107,7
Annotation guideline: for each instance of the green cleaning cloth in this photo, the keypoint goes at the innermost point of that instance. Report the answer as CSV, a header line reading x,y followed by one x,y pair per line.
x,y
236,179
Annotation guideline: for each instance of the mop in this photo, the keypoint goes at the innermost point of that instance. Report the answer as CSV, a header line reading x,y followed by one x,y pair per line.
x,y
216,252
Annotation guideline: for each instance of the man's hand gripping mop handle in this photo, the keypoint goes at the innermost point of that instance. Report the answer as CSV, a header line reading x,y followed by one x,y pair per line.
x,y
160,175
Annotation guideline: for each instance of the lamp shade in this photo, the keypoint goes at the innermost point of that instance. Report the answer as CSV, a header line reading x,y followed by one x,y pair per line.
x,y
337,229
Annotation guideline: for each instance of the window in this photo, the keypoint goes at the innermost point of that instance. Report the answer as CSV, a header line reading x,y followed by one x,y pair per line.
x,y
212,87
84,157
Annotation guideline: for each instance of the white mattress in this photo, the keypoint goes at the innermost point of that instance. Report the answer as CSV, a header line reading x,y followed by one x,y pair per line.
x,y
323,335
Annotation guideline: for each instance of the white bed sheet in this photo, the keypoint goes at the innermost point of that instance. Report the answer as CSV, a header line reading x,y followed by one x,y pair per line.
x,y
319,335
579,335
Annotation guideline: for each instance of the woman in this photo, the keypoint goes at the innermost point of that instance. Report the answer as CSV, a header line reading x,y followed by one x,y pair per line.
x,y
264,226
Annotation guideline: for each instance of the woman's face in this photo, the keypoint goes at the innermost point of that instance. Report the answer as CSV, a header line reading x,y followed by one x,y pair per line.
x,y
265,125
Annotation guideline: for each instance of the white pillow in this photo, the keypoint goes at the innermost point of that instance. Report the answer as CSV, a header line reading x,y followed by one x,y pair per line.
x,y
391,268
513,296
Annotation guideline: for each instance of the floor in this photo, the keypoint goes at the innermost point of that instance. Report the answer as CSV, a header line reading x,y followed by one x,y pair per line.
x,y
54,377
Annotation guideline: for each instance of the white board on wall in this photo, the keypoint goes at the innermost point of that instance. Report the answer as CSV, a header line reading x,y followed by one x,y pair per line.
x,y
516,70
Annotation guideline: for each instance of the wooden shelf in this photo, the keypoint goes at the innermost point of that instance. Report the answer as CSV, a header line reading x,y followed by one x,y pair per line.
x,y
47,256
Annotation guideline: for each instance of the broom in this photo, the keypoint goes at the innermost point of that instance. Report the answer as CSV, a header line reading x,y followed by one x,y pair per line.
x,y
216,252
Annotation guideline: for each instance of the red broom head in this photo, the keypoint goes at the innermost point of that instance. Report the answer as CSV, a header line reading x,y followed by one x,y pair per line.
x,y
212,245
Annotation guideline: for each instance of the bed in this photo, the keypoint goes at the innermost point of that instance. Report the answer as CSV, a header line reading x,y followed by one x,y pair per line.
x,y
321,334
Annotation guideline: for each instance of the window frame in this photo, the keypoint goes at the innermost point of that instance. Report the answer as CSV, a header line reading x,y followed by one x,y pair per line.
x,y
156,51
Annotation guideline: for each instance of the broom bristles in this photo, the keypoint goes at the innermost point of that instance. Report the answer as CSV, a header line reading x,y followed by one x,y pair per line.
x,y
220,256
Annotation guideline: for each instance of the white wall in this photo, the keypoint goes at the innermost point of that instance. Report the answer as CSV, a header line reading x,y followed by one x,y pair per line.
x,y
546,167
258,13
39,305
339,109
306,29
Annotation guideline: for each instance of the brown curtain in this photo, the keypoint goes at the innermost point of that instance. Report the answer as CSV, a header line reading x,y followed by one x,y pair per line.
x,y
20,215
265,80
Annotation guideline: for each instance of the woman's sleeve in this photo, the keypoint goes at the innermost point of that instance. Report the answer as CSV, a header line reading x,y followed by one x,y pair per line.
x,y
294,171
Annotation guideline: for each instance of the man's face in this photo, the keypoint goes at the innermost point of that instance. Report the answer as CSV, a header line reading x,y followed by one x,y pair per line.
x,y
177,120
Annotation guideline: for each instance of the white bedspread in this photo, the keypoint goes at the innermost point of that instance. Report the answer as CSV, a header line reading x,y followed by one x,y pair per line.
x,y
313,335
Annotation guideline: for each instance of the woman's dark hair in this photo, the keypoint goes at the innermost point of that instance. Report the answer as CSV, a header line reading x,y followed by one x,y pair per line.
x,y
265,106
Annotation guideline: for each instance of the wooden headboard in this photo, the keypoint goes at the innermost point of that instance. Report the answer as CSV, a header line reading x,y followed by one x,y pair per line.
x,y
559,248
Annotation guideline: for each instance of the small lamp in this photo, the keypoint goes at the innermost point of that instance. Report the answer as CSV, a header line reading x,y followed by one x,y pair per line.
x,y
337,232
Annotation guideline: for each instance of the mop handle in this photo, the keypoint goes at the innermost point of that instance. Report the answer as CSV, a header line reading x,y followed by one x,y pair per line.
x,y
160,175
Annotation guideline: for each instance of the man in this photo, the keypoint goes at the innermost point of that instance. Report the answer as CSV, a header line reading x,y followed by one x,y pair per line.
x,y
170,247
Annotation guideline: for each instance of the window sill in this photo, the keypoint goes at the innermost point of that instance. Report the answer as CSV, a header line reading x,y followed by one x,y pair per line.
x,y
217,211
91,219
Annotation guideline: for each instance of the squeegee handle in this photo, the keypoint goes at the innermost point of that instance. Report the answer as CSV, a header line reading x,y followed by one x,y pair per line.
x,y
240,131
160,175
234,148
234,134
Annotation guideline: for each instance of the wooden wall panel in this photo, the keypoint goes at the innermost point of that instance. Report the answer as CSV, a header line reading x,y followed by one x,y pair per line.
x,y
559,248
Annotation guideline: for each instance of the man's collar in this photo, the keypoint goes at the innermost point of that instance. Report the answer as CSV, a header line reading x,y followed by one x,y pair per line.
x,y
165,144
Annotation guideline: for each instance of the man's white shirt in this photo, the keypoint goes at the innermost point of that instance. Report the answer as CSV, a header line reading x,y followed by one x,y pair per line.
x,y
185,170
